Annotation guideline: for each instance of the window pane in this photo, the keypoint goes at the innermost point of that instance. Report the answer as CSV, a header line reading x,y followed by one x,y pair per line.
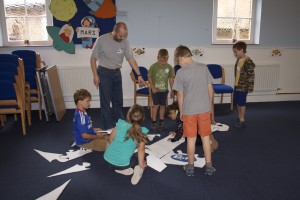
x,y
243,8
15,28
37,29
36,7
14,7
226,8
225,28
243,29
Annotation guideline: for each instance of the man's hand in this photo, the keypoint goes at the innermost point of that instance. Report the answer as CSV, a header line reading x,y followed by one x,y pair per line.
x,y
141,81
181,118
96,81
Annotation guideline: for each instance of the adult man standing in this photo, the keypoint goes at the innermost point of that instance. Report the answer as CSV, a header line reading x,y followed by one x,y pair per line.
x,y
110,50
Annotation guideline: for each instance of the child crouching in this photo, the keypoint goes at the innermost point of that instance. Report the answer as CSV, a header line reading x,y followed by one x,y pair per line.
x,y
124,139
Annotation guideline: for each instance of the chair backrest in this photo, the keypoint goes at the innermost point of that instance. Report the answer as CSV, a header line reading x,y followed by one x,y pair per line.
x,y
143,71
9,58
215,70
7,90
176,68
29,58
7,76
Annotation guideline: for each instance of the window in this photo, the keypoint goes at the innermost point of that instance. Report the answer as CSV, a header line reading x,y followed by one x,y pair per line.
x,y
24,22
236,20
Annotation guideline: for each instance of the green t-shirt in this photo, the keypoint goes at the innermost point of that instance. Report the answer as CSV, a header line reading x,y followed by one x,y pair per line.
x,y
120,151
159,75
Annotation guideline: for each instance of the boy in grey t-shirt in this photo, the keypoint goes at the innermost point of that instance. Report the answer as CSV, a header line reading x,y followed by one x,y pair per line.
x,y
193,84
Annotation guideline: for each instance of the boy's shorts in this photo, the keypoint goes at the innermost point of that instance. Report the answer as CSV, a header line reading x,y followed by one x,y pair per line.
x,y
96,144
239,98
197,123
160,98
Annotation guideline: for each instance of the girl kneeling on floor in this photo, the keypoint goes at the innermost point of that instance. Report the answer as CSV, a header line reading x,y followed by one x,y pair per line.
x,y
124,139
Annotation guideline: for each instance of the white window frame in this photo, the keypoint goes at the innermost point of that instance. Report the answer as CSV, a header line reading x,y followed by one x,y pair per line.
x,y
255,25
7,42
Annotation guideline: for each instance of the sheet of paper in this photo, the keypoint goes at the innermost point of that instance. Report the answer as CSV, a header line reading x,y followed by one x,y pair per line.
x,y
155,163
53,195
152,136
70,155
180,158
163,146
105,131
219,127
75,168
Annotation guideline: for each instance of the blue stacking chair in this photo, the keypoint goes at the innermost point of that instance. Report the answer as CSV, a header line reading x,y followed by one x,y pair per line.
x,y
11,100
13,64
217,72
176,68
145,91
32,61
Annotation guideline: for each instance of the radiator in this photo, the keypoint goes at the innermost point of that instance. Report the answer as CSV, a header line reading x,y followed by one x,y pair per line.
x,y
74,78
266,78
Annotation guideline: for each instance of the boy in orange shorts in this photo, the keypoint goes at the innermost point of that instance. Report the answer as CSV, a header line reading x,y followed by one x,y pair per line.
x,y
193,84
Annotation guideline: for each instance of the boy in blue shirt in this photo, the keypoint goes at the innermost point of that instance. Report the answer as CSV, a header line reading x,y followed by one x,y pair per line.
x,y
84,133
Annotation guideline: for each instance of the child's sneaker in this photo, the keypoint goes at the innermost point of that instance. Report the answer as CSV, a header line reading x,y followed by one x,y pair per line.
x,y
210,169
155,126
137,175
189,169
162,125
240,124
125,172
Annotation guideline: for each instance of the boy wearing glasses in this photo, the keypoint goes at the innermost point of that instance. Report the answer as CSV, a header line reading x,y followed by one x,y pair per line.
x,y
160,73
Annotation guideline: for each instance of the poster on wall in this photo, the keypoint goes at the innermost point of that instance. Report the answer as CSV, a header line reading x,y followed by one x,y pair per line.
x,y
80,22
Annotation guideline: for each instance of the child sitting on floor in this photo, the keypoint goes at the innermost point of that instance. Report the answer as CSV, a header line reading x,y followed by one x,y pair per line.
x,y
174,114
124,139
84,133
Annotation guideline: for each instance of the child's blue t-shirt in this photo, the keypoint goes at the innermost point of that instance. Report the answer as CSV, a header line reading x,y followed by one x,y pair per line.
x,y
119,152
82,123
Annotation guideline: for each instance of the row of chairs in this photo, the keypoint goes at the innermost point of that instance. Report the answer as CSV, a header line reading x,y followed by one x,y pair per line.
x,y
19,85
217,72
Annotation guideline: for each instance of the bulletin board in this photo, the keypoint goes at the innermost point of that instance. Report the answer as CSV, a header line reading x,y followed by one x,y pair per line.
x,y
80,22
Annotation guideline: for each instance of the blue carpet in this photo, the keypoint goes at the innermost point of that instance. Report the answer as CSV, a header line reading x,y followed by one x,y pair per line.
x,y
261,161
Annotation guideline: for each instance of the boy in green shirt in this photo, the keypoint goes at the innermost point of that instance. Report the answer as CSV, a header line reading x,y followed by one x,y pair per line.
x,y
159,74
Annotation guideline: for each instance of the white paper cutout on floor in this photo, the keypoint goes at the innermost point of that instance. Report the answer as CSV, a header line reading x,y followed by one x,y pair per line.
x,y
163,146
75,168
155,163
152,136
106,131
180,158
70,155
53,195
219,127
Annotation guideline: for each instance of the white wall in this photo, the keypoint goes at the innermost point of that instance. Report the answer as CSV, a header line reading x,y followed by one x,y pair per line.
x,y
167,23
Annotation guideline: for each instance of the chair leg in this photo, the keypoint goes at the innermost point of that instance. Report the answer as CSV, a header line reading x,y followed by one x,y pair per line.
x,y
40,107
28,112
221,98
213,110
23,122
231,103
134,99
16,117
150,106
2,120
